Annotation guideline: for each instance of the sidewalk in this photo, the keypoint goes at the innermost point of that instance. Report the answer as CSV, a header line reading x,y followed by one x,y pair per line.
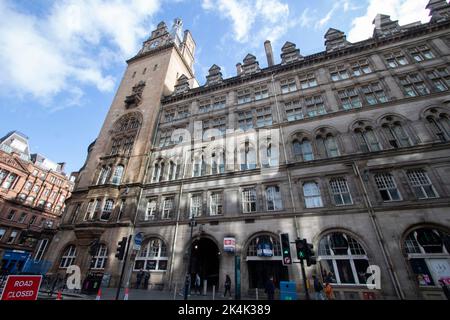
x,y
137,294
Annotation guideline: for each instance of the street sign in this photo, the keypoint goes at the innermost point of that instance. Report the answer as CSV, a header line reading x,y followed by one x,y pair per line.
x,y
21,288
229,244
138,238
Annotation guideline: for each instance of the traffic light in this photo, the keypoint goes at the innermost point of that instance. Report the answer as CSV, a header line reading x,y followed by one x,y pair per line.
x,y
301,246
310,255
285,248
121,248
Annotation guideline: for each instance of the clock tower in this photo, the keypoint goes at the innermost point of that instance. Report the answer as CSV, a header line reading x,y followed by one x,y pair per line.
x,y
104,202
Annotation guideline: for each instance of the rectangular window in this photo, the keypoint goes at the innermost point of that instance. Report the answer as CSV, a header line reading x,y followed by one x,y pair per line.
x,y
196,205
387,187
249,200
396,59
421,184
264,117
9,181
311,193
12,237
440,78
374,93
2,233
315,106
204,106
216,205
361,67
350,99
421,53
293,110
340,191
261,93
22,217
219,103
41,249
168,208
273,196
245,120
183,112
11,215
308,81
219,124
338,73
413,85
288,85
169,115
244,96
165,138
150,211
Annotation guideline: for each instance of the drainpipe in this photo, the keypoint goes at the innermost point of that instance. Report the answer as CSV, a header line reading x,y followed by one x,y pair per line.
x,y
379,234
175,236
285,153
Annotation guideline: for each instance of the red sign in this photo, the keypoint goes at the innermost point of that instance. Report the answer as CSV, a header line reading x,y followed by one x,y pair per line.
x,y
21,288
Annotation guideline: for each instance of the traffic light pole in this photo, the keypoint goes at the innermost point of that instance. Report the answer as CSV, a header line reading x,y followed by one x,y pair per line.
x,y
304,278
123,266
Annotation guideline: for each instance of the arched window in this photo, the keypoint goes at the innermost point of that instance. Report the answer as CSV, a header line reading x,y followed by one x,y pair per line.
x,y
199,166
428,253
217,162
107,210
303,149
115,148
327,143
395,132
117,176
173,170
158,171
153,256
98,261
342,259
438,121
264,246
248,157
311,193
366,137
68,257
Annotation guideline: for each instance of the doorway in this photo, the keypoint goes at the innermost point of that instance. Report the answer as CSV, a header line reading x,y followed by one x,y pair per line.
x,y
260,271
205,261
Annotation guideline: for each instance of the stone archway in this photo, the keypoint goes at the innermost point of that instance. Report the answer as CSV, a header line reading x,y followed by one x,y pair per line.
x,y
205,260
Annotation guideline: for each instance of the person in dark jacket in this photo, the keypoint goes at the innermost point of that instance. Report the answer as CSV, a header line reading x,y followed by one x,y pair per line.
x,y
227,286
139,277
318,288
146,279
270,289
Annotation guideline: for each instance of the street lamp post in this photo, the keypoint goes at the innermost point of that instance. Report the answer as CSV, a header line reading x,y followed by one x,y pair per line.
x,y
187,283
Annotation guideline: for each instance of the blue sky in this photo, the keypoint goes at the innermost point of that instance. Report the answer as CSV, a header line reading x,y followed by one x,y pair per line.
x,y
61,61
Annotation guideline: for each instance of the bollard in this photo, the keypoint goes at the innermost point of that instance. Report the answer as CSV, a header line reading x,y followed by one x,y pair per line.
x,y
257,298
214,292
175,292
205,286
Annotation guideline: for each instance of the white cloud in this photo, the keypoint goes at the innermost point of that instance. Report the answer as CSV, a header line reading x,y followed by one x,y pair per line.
x,y
70,46
245,14
406,11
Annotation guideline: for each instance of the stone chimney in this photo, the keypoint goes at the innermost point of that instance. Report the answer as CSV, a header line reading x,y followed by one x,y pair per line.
x,y
239,68
269,53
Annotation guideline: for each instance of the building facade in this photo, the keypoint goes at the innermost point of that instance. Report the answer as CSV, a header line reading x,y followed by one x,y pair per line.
x,y
33,191
348,148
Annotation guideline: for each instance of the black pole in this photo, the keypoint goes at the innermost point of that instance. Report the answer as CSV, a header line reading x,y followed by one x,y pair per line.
x,y
304,278
123,267
188,275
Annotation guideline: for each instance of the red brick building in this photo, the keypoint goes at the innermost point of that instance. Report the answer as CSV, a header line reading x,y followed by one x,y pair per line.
x,y
33,191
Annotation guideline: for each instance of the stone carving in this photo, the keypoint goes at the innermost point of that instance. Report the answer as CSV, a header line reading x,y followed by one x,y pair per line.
x,y
135,98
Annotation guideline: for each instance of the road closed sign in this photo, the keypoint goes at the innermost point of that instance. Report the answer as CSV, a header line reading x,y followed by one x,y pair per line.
x,y
21,288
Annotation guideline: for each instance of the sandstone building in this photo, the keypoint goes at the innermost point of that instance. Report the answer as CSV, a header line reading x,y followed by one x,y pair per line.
x,y
348,148
33,191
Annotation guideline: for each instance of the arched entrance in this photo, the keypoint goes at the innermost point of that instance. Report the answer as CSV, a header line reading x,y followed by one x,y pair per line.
x,y
205,261
264,260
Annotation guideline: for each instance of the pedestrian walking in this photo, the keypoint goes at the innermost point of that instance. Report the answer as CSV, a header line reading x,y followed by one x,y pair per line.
x,y
329,291
146,279
445,289
198,283
318,289
139,277
227,286
270,289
